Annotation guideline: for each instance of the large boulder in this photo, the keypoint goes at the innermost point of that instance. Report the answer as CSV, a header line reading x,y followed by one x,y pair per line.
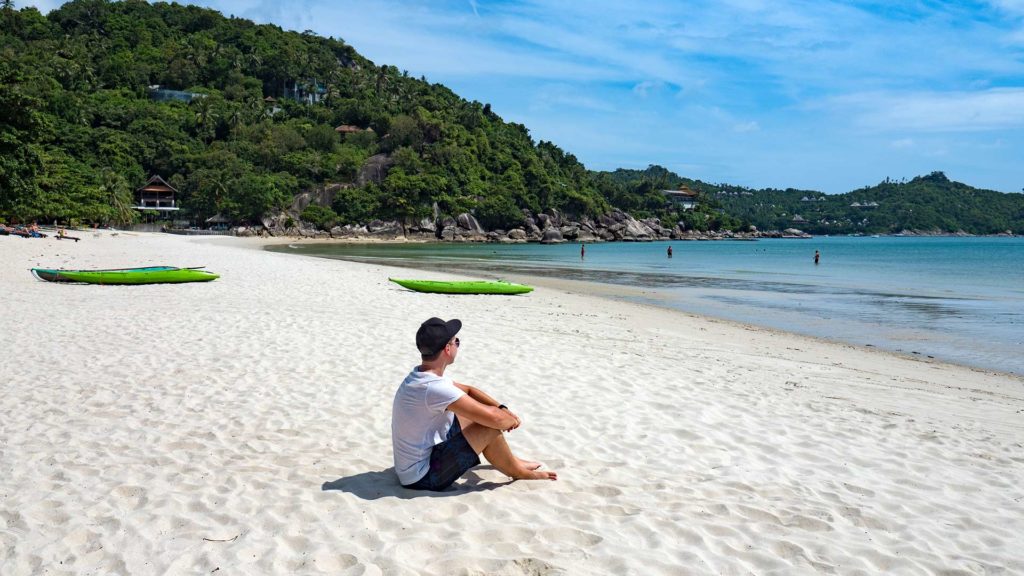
x,y
555,217
531,228
468,236
543,221
552,236
375,169
654,224
636,230
284,223
468,222
423,225
349,231
570,231
422,229
517,234
319,195
387,229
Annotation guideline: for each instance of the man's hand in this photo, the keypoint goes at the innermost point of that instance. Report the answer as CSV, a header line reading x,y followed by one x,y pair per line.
x,y
519,421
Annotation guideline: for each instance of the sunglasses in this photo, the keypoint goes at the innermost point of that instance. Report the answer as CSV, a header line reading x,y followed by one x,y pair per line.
x,y
457,342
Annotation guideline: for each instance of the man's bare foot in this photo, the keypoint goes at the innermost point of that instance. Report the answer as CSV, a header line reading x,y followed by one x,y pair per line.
x,y
529,464
537,475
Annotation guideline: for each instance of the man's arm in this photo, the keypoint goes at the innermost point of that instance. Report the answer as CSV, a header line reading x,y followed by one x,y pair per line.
x,y
477,394
485,399
488,415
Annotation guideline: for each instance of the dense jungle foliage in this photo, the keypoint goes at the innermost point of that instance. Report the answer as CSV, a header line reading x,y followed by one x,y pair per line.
x,y
80,130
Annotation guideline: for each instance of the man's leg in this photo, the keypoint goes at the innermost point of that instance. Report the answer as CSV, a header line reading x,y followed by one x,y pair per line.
x,y
492,444
464,422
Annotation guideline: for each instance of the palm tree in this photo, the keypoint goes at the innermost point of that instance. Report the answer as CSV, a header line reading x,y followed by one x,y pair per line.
x,y
119,195
205,115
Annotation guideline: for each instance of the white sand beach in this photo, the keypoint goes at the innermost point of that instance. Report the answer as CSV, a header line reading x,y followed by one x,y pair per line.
x,y
242,426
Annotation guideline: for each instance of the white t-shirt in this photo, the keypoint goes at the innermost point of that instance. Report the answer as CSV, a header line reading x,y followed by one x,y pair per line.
x,y
419,420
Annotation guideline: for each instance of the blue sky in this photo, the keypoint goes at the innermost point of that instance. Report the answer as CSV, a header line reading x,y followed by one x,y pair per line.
x,y
816,94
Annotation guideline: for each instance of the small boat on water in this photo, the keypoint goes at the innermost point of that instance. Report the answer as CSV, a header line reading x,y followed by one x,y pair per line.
x,y
145,275
463,287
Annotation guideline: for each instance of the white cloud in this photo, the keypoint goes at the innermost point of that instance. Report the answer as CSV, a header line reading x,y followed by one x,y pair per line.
x,y
646,87
567,96
994,109
902,143
1011,6
742,127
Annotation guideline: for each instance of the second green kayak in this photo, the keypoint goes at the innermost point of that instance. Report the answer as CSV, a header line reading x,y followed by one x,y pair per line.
x,y
148,275
463,287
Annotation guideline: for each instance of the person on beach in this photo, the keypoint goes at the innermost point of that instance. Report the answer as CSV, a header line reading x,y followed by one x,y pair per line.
x,y
62,234
817,255
439,426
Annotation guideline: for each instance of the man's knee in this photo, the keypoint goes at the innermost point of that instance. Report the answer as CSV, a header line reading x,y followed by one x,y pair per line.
x,y
479,436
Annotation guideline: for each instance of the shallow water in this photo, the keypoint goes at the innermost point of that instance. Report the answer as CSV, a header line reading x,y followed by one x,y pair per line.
x,y
956,299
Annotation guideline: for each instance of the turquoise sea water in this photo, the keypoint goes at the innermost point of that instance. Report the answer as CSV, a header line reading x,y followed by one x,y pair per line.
x,y
956,299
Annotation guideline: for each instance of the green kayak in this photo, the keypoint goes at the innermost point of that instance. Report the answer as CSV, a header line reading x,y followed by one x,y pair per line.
x,y
466,287
147,275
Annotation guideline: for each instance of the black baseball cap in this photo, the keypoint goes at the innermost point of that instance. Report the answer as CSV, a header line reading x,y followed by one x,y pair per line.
x,y
435,333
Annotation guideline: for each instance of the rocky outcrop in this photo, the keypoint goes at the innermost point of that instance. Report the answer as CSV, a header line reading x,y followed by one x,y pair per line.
x,y
422,229
517,235
468,222
375,169
549,227
320,195
284,223
794,233
385,229
617,225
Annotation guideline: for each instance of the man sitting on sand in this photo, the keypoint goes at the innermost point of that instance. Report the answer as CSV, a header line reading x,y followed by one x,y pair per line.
x,y
439,427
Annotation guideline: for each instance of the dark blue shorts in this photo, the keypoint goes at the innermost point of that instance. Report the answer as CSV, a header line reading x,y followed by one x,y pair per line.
x,y
448,460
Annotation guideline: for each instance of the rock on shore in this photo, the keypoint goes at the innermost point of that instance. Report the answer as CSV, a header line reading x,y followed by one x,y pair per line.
x,y
549,227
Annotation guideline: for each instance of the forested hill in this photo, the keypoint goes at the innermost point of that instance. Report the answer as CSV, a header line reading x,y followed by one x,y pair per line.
x,y
927,204
931,203
249,119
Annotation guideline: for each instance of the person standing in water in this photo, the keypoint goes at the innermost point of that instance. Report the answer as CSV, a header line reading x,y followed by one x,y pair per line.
x,y
670,251
583,250
817,256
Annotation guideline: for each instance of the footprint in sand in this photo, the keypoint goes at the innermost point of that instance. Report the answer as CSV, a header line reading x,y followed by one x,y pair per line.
x,y
330,562
570,536
130,497
606,491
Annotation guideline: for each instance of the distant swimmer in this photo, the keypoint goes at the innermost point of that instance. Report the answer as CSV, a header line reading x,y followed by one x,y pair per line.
x,y
669,251
817,256
583,250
